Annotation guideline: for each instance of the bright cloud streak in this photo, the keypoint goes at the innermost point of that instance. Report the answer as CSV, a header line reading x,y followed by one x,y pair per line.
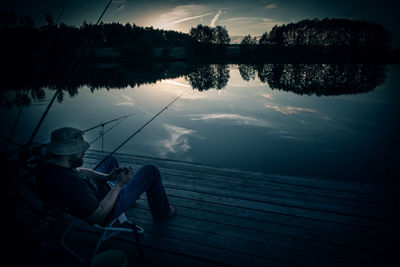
x,y
186,19
128,102
236,118
212,23
178,140
270,6
267,96
296,110
176,83
290,110
181,14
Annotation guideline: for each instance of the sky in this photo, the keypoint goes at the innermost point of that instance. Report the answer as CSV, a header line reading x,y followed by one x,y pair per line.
x,y
240,17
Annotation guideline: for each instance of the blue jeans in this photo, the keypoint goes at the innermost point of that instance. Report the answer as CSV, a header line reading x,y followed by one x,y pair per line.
x,y
145,179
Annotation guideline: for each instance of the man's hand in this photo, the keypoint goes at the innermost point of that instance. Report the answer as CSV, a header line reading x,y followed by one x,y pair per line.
x,y
121,175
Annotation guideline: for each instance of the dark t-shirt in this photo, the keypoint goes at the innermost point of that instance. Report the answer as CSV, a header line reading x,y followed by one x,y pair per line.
x,y
70,189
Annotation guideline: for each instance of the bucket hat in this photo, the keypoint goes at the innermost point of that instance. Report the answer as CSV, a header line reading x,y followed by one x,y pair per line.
x,y
67,141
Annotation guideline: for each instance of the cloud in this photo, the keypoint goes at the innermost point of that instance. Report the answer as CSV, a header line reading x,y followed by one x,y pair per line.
x,y
296,110
290,110
125,104
186,19
236,19
128,101
235,118
178,140
271,6
176,83
120,4
212,23
250,25
181,14
267,96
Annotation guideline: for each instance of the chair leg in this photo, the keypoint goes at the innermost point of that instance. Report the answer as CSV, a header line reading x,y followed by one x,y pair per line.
x,y
70,251
139,246
102,238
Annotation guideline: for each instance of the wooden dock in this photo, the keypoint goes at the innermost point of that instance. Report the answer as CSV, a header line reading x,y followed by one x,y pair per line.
x,y
240,218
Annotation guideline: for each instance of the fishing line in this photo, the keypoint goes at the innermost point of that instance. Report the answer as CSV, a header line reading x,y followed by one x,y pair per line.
x,y
103,133
33,82
140,129
75,66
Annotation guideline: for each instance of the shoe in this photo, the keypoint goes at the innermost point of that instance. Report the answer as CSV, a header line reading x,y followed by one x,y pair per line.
x,y
172,211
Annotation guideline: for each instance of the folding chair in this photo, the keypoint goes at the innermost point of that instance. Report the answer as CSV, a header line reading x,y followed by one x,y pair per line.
x,y
108,232
50,209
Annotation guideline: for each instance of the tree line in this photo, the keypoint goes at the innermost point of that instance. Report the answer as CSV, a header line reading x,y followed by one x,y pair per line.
x,y
301,79
315,38
318,37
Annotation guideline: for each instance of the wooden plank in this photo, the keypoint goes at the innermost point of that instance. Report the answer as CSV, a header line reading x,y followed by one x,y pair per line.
x,y
238,246
282,188
175,244
310,227
273,234
83,240
207,253
312,203
293,211
283,195
345,186
246,261
257,182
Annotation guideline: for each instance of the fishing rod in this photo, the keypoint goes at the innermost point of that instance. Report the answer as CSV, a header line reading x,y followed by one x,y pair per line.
x,y
91,128
103,133
140,129
105,123
74,67
33,81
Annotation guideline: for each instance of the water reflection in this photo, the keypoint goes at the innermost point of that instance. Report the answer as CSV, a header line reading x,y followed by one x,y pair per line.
x,y
318,79
205,77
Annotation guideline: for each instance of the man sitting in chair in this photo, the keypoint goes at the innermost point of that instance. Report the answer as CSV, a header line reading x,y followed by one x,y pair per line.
x,y
96,196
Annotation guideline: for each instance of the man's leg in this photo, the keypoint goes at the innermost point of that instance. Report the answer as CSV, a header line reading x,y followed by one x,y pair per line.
x,y
108,165
146,179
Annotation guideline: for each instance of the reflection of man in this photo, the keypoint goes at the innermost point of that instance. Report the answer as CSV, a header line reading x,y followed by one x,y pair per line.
x,y
97,196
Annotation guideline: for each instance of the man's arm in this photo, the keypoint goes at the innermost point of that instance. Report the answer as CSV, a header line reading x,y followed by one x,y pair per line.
x,y
89,173
107,203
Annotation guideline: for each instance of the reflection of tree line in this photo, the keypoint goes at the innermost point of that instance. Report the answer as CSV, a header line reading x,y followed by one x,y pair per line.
x,y
319,79
205,77
16,91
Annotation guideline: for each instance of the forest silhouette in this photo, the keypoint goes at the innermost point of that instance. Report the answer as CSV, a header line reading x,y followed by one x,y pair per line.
x,y
115,56
314,40
302,79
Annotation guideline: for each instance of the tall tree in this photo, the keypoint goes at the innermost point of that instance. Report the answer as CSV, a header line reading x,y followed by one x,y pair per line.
x,y
202,34
221,35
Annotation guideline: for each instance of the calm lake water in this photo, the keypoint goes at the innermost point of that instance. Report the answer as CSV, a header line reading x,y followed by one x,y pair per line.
x,y
243,125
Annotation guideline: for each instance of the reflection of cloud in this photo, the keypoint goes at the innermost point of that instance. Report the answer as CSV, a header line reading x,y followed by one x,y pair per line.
x,y
212,23
128,102
270,6
267,96
290,110
296,110
172,86
176,83
178,140
235,118
125,104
